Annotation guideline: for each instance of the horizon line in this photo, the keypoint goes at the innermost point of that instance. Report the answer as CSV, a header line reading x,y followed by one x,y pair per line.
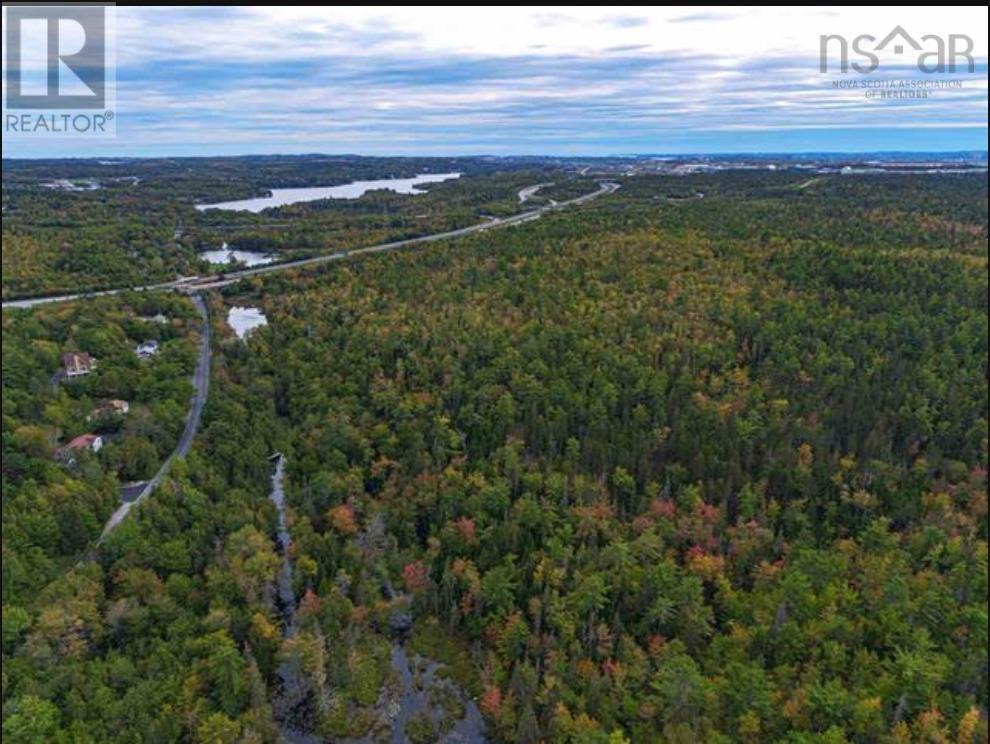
x,y
549,156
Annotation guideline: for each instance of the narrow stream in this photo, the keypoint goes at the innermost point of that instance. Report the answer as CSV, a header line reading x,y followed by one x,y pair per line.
x,y
418,677
286,596
420,680
290,698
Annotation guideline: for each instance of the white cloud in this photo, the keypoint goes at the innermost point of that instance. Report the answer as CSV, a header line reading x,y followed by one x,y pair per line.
x,y
366,76
258,33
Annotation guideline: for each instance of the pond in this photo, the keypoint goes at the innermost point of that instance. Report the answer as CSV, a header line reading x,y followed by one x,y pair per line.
x,y
353,190
64,184
425,693
224,255
245,319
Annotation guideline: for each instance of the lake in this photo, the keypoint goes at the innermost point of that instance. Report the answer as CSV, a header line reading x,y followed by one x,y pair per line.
x,y
224,255
353,190
245,319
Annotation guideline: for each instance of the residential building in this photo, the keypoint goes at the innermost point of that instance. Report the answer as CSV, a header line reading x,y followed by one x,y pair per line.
x,y
91,442
147,349
109,408
77,363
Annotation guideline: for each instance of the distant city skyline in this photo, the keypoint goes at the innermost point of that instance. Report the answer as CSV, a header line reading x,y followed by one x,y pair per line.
x,y
519,81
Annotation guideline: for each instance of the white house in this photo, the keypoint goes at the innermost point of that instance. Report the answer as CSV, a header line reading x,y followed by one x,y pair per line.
x,y
147,349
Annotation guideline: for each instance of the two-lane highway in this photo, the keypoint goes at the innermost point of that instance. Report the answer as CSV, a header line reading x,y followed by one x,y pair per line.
x,y
194,285
201,377
491,224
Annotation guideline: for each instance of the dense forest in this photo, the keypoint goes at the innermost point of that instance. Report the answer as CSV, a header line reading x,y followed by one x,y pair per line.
x,y
85,224
704,460
55,501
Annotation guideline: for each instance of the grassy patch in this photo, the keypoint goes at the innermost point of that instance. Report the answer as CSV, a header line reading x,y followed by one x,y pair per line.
x,y
430,639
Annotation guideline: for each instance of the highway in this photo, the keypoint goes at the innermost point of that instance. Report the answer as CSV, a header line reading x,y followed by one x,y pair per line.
x,y
530,191
135,493
195,284
492,224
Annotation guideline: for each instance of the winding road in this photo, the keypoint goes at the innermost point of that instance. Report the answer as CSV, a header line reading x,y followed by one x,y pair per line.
x,y
201,384
134,494
530,191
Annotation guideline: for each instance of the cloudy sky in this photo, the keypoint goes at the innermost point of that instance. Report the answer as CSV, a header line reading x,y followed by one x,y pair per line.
x,y
527,80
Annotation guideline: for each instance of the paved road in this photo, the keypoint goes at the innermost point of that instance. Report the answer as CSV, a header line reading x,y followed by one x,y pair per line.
x,y
491,224
132,491
192,286
201,377
201,384
527,193
31,302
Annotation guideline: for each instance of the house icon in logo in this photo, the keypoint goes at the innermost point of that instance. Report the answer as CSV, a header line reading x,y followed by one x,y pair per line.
x,y
931,53
898,31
